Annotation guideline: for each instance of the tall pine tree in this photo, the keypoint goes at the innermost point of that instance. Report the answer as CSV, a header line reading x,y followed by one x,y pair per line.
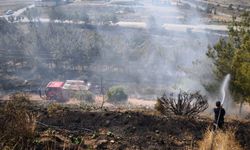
x,y
232,55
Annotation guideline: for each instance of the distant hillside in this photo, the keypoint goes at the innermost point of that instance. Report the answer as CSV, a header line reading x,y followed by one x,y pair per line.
x,y
234,2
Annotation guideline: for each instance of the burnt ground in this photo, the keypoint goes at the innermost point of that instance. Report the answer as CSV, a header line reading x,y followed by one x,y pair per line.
x,y
135,129
67,127
130,130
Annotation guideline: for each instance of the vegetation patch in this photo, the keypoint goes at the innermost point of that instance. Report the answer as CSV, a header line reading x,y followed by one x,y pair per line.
x,y
185,104
116,94
86,96
17,123
219,140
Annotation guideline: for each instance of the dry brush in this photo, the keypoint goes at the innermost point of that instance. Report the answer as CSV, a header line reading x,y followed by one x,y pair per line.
x,y
186,104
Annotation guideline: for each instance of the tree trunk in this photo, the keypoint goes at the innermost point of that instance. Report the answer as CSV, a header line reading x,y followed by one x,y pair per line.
x,y
241,105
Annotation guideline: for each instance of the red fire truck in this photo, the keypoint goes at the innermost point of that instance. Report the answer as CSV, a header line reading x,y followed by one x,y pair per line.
x,y
62,91
54,90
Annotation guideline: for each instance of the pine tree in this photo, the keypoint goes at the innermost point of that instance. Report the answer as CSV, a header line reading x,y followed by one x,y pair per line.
x,y
232,55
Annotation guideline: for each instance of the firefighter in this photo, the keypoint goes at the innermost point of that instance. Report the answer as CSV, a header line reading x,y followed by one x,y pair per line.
x,y
219,113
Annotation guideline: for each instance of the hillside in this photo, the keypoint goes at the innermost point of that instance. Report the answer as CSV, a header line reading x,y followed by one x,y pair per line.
x,y
66,126
234,2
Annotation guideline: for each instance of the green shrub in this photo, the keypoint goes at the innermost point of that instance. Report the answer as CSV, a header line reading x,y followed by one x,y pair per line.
x,y
84,95
116,94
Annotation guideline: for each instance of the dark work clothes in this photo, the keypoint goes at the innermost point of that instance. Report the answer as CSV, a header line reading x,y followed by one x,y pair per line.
x,y
219,113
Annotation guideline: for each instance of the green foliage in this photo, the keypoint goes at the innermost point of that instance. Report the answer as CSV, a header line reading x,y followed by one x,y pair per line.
x,y
116,94
241,68
84,95
232,56
222,53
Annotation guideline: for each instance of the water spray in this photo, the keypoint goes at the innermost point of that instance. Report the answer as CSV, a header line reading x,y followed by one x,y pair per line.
x,y
223,92
224,87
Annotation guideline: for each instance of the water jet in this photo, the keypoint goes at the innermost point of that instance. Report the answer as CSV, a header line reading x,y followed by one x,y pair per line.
x,y
224,87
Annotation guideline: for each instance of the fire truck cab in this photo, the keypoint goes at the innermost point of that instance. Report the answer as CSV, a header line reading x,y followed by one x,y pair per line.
x,y
54,91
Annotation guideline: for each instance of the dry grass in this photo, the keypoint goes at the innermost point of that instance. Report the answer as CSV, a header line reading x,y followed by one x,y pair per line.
x,y
54,107
17,123
219,140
